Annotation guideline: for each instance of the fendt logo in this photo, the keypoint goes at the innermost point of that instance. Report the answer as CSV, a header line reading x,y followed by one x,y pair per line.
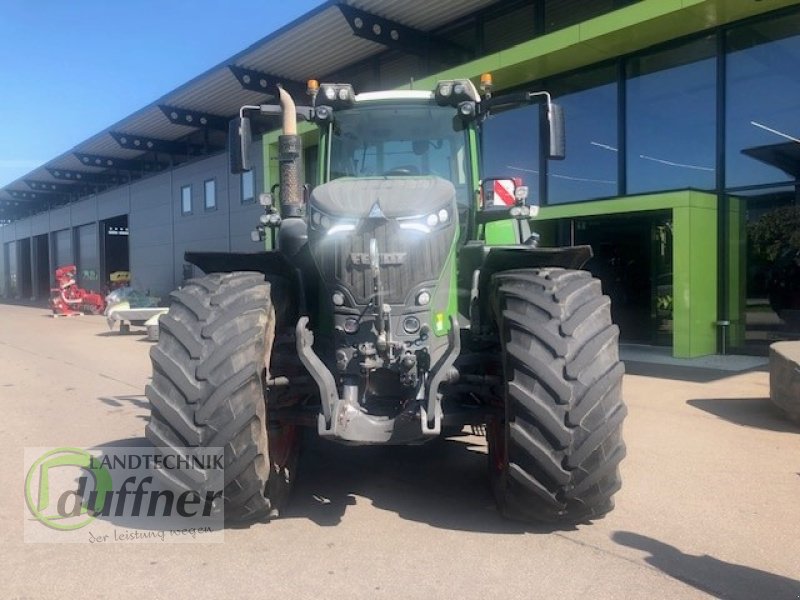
x,y
67,511
115,494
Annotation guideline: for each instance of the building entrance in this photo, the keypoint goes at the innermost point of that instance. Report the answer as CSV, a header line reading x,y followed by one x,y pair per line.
x,y
633,259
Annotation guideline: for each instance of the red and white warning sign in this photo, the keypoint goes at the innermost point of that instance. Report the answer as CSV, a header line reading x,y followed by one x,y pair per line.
x,y
504,191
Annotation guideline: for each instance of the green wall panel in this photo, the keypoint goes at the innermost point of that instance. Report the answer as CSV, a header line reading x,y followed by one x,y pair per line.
x,y
695,258
694,281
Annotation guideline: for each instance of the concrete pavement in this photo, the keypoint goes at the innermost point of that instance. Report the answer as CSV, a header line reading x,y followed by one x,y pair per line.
x,y
710,504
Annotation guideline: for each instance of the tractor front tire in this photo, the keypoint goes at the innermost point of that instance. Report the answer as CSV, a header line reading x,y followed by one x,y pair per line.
x,y
554,455
208,388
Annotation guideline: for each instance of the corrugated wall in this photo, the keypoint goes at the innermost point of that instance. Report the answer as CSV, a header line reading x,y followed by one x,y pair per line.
x,y
159,233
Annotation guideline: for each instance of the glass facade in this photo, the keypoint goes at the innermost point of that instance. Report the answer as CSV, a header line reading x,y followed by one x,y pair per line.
x,y
762,151
763,264
716,113
590,170
671,118
510,146
762,119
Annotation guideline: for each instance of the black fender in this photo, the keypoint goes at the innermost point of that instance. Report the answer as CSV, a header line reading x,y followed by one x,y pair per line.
x,y
480,262
269,262
286,276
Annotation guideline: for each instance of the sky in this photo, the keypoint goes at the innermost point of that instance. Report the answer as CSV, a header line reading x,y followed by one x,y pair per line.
x,y
71,68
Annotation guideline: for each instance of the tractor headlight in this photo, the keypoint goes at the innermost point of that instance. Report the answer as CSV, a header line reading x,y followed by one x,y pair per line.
x,y
452,92
330,225
338,95
342,227
424,298
427,223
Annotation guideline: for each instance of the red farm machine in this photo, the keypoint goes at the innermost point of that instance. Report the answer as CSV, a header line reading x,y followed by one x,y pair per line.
x,y
68,299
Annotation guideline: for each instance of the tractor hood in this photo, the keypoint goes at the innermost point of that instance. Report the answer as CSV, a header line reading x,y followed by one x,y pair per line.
x,y
400,196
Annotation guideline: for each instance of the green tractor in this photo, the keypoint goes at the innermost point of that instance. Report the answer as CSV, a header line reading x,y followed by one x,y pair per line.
x,y
402,298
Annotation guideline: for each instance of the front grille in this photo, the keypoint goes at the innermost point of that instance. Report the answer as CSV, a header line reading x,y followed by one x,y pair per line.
x,y
407,259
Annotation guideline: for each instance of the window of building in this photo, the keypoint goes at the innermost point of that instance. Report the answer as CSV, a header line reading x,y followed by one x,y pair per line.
x,y
186,200
510,146
210,194
248,187
563,13
762,268
671,118
509,28
590,169
762,117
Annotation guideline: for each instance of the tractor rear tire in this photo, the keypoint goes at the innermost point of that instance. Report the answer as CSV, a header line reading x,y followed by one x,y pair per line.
x,y
554,456
208,388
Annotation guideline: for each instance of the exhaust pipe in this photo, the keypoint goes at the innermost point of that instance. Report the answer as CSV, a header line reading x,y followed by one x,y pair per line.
x,y
290,157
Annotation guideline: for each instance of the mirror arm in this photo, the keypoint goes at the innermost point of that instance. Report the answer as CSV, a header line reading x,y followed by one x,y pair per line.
x,y
248,108
513,100
504,102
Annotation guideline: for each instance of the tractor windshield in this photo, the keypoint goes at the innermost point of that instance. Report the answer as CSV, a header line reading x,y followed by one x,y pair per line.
x,y
400,139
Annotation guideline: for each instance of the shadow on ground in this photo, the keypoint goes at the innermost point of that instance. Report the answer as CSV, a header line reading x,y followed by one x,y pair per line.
x,y
749,412
137,401
721,579
443,484
681,373
135,331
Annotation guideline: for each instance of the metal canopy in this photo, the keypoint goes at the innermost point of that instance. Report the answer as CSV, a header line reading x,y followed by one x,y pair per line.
x,y
400,37
148,144
111,162
264,83
59,188
34,196
318,44
86,176
194,118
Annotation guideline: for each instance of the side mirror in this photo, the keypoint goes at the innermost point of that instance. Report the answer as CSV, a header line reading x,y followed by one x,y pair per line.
x,y
240,138
555,121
